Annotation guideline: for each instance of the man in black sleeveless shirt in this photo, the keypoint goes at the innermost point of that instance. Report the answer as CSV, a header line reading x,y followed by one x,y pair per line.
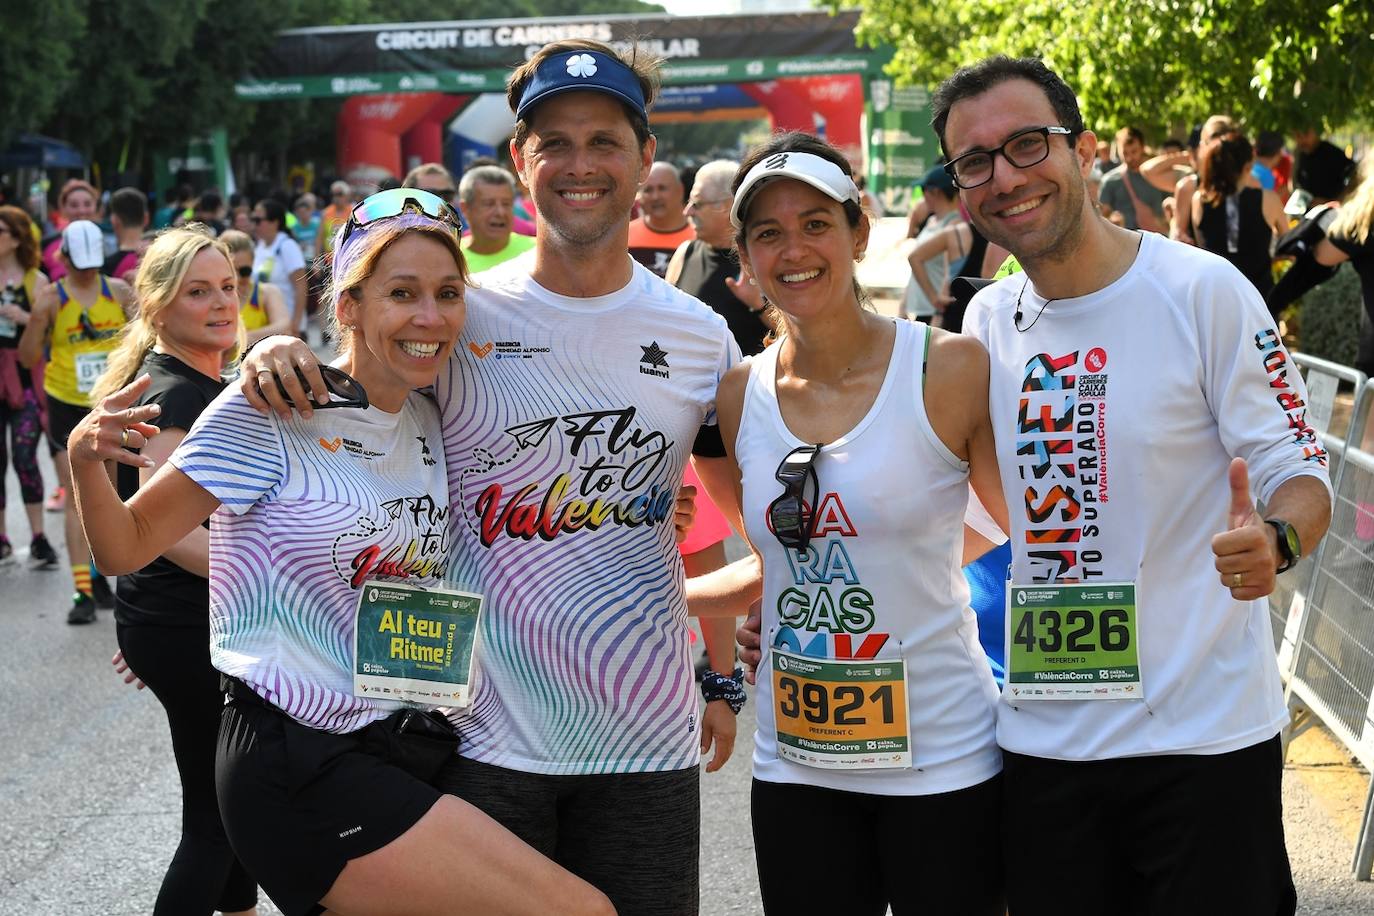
x,y
707,267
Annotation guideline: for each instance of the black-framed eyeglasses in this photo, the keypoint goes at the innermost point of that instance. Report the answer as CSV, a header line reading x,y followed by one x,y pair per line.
x,y
245,270
1023,149
348,391
789,516
392,203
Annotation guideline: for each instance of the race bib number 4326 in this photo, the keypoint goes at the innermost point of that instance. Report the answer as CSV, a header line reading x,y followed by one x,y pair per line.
x,y
843,714
1072,642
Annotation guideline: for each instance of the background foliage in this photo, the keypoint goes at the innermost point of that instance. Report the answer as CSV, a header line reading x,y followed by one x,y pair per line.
x,y
122,78
1329,318
1273,63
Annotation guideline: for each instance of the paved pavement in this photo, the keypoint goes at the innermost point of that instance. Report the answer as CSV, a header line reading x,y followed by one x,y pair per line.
x,y
89,799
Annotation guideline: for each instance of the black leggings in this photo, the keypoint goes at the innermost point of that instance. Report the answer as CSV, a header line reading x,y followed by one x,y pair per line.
x,y
824,851
174,662
26,428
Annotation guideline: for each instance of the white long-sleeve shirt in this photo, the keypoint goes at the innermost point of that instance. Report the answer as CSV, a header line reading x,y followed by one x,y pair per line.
x,y
1116,416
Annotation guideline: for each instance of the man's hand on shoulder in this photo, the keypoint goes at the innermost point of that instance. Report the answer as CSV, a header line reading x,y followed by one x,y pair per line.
x,y
270,377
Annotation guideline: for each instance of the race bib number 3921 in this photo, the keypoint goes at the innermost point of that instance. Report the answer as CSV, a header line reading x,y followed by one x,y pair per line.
x,y
1072,642
844,715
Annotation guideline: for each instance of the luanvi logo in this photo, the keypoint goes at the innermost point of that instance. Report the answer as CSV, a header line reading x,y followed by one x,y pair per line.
x,y
480,351
331,445
654,361
426,455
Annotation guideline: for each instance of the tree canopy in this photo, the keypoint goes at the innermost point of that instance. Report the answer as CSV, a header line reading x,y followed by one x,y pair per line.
x,y
1153,63
118,78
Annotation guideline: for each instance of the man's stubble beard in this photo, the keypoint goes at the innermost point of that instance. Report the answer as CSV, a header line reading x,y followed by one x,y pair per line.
x,y
1063,234
584,236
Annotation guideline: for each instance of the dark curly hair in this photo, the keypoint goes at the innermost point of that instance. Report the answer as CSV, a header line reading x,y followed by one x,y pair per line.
x,y
990,72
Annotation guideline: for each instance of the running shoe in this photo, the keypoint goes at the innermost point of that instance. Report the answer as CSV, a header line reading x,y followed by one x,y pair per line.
x,y
6,551
41,554
83,610
58,501
100,590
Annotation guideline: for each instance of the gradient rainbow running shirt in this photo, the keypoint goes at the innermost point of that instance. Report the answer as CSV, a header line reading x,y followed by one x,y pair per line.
x,y
567,424
311,509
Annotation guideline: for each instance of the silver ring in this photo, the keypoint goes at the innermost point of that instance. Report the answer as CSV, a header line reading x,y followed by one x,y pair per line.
x,y
123,438
1235,580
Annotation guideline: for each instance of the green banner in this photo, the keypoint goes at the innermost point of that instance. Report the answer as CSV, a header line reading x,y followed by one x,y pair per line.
x,y
683,73
900,146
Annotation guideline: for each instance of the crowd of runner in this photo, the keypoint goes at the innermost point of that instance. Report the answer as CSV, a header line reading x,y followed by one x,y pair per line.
x,y
420,616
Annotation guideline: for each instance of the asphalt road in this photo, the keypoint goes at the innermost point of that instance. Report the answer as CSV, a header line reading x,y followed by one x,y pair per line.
x,y
89,799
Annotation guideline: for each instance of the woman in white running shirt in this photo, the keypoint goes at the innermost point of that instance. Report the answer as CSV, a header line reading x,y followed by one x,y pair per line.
x,y
856,437
328,789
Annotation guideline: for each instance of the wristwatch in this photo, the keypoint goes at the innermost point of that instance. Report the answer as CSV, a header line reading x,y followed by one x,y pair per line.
x,y
1290,548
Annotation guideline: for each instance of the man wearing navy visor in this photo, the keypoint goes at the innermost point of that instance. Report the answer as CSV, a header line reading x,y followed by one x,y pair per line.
x,y
580,388
585,732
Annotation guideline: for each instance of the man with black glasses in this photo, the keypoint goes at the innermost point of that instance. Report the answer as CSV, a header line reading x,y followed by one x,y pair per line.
x,y
1137,389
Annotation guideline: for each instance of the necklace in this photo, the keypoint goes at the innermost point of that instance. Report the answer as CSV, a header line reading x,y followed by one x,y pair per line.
x,y
1016,316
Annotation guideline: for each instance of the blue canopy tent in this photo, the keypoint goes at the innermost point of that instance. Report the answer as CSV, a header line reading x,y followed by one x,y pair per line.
x,y
34,151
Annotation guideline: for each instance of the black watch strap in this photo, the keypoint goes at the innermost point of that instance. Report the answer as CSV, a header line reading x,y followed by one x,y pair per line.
x,y
1290,547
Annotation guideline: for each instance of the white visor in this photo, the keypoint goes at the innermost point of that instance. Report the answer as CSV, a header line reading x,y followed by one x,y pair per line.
x,y
822,174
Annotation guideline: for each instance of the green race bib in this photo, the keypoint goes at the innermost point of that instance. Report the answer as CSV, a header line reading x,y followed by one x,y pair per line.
x,y
1072,642
414,644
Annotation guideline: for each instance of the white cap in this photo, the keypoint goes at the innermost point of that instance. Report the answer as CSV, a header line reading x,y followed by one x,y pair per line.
x,y
83,244
822,174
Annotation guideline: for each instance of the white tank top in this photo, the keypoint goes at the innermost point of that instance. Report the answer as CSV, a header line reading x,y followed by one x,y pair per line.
x,y
888,534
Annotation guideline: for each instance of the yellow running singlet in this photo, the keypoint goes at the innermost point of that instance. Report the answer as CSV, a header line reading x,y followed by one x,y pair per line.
x,y
82,339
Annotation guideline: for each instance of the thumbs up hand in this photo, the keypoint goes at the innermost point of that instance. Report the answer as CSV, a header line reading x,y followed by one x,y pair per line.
x,y
1246,553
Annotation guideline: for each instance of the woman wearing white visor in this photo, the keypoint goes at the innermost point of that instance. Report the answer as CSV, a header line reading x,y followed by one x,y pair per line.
x,y
856,438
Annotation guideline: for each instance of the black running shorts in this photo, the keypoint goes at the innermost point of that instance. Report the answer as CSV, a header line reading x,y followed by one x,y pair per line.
x,y
298,803
62,419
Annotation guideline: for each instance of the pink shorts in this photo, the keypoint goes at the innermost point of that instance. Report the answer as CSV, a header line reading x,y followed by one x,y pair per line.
x,y
710,526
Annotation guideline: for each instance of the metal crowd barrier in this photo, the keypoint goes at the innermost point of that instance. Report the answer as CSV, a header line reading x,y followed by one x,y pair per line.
x,y
1324,380
1324,619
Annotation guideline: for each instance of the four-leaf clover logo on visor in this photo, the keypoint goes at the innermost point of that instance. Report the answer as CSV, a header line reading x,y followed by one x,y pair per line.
x,y
583,65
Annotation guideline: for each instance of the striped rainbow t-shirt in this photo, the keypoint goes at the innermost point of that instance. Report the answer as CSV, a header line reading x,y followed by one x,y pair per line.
x,y
311,509
567,423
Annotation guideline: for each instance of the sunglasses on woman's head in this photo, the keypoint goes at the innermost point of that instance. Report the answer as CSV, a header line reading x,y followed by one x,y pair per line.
x,y
389,204
245,270
790,515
